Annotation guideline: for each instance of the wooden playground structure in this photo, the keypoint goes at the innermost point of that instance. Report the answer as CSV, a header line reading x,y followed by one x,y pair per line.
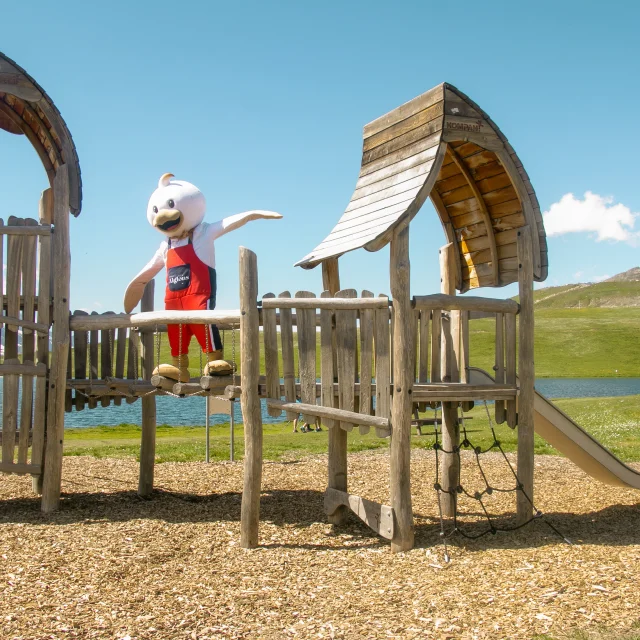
x,y
379,357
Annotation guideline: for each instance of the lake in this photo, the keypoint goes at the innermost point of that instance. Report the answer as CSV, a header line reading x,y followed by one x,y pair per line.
x,y
191,411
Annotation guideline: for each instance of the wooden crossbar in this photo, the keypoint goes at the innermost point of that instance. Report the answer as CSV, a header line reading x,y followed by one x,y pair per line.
x,y
325,303
378,517
331,413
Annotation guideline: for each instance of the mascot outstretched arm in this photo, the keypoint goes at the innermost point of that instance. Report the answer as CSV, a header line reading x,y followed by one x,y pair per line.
x,y
176,209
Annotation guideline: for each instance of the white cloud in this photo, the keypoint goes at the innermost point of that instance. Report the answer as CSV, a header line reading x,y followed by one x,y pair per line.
x,y
578,274
594,214
601,278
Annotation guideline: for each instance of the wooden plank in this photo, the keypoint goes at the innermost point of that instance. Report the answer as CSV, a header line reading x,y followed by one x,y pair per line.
x,y
11,380
436,345
420,170
524,498
327,371
332,413
148,436
288,367
13,367
483,209
29,256
68,394
270,337
80,359
408,109
402,154
121,352
132,358
61,263
510,370
403,359
1,279
378,517
346,334
45,214
367,319
423,331
19,468
358,204
499,366
416,121
94,350
383,362
107,338
330,302
467,303
399,168
402,142
464,346
31,230
307,353
249,374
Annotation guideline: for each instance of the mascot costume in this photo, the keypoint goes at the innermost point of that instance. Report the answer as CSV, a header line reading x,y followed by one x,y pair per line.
x,y
176,209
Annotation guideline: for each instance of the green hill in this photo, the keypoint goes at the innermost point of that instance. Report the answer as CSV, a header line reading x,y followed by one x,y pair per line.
x,y
622,290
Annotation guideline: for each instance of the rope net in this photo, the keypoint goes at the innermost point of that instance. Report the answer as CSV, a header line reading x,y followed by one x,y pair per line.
x,y
479,496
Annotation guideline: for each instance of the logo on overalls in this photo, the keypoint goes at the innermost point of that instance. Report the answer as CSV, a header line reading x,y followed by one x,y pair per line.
x,y
179,277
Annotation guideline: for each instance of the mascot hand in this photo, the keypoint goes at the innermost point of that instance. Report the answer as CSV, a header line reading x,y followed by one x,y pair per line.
x,y
268,215
133,295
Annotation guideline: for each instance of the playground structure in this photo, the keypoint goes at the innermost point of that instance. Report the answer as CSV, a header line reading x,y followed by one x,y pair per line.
x,y
380,358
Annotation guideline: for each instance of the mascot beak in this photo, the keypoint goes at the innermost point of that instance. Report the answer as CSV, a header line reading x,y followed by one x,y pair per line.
x,y
168,220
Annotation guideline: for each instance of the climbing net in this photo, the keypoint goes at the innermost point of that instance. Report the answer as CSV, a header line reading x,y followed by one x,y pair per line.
x,y
479,496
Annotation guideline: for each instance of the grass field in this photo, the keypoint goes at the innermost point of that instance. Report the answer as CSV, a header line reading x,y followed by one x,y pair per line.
x,y
613,421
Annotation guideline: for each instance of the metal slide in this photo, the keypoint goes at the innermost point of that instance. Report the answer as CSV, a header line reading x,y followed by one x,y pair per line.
x,y
562,433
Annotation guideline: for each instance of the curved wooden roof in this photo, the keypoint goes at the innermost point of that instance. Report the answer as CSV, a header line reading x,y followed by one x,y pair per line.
x,y
444,146
25,109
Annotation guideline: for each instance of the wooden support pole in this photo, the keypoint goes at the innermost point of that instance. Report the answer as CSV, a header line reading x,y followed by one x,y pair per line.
x,y
251,413
148,437
403,363
526,371
450,470
337,437
61,263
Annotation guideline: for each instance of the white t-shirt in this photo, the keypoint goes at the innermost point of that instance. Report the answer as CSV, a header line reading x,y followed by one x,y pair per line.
x,y
204,236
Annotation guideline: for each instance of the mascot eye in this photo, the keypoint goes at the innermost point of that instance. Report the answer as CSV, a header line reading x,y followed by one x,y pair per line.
x,y
155,209
171,203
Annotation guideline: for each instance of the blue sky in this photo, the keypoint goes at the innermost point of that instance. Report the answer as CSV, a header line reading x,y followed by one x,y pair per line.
x,y
262,104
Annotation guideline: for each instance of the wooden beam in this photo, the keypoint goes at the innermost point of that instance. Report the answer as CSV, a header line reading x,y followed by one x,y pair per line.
x,y
403,361
451,302
483,211
251,412
450,469
527,376
331,275
378,517
148,435
449,232
61,264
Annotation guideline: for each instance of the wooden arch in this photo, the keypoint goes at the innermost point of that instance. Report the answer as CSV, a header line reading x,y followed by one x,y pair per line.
x,y
25,109
442,145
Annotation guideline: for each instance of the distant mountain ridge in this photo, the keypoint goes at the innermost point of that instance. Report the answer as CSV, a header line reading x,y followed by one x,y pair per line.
x,y
632,275
619,291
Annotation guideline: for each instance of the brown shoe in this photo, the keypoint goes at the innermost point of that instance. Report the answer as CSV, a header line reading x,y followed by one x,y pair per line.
x,y
216,366
178,370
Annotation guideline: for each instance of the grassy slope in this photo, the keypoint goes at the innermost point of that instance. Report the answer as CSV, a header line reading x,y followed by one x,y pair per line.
x,y
613,421
602,294
578,343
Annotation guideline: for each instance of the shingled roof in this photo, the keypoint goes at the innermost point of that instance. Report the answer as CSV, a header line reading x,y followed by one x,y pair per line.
x,y
442,145
25,109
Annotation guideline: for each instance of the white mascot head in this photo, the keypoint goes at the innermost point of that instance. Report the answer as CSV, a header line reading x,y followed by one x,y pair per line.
x,y
175,207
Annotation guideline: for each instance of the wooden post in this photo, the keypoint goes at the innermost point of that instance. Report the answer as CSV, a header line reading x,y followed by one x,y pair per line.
x,y
249,378
61,266
337,436
148,437
450,470
403,363
526,371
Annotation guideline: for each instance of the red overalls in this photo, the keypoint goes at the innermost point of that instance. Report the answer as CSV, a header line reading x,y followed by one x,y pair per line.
x,y
191,284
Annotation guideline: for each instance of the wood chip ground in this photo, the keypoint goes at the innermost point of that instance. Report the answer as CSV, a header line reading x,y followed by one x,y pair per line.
x,y
111,565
